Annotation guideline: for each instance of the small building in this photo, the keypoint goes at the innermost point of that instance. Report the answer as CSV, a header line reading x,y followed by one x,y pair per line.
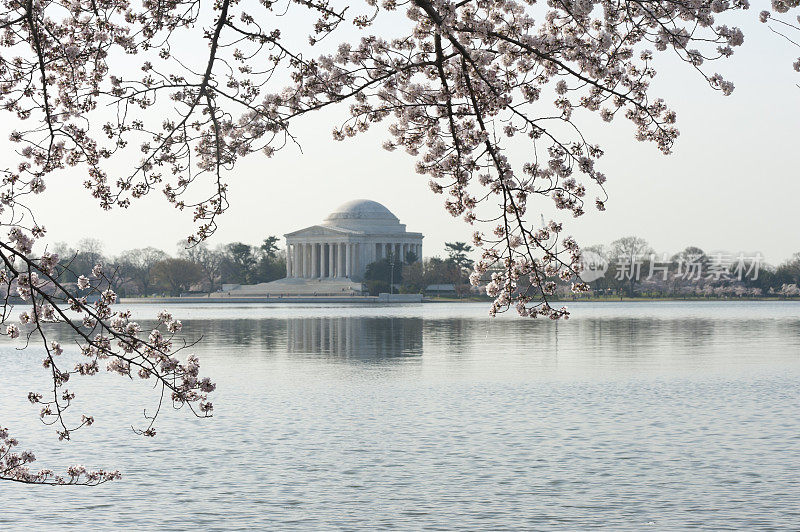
x,y
439,289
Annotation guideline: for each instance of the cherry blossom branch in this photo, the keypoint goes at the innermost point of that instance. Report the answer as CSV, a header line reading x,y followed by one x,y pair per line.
x,y
489,97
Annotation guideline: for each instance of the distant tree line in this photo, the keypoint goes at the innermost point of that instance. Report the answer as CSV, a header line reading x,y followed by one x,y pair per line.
x,y
627,267
416,276
151,271
630,267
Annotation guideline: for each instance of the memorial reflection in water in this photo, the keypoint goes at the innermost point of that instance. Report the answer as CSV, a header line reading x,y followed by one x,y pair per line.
x,y
358,337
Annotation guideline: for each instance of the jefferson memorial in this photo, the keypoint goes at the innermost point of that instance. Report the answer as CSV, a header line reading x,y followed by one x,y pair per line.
x,y
332,257
355,234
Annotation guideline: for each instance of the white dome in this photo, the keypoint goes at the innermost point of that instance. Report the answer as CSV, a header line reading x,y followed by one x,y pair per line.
x,y
365,216
361,209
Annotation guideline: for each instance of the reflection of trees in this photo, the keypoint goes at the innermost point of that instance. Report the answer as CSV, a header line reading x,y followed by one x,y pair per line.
x,y
457,333
358,337
641,335
586,337
581,339
499,337
794,327
265,334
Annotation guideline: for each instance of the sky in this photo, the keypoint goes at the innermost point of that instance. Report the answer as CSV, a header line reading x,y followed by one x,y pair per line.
x,y
731,184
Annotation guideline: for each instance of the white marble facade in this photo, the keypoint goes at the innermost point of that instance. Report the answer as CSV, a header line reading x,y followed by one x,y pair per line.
x,y
351,237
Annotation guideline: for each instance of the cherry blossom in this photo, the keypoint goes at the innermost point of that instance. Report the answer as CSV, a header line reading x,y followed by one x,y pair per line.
x,y
14,466
181,90
108,339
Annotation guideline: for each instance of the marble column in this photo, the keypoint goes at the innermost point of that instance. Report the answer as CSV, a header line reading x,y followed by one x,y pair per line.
x,y
340,259
314,261
321,264
348,269
331,254
299,260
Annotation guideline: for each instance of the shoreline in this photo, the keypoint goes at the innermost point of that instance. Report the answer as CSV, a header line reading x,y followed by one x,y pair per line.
x,y
352,300
374,300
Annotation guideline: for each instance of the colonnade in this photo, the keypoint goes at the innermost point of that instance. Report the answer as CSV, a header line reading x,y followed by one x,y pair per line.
x,y
330,260
400,251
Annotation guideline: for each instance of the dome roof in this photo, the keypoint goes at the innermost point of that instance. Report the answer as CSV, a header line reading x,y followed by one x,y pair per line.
x,y
365,216
361,209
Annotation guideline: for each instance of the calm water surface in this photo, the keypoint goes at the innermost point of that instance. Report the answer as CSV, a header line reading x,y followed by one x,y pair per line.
x,y
629,416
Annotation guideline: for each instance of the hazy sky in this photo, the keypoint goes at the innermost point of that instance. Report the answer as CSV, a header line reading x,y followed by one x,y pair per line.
x,y
731,184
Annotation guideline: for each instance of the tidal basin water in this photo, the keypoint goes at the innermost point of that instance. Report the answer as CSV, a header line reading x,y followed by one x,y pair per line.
x,y
629,416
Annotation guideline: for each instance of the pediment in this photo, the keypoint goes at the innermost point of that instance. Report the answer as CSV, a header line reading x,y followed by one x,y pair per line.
x,y
320,230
